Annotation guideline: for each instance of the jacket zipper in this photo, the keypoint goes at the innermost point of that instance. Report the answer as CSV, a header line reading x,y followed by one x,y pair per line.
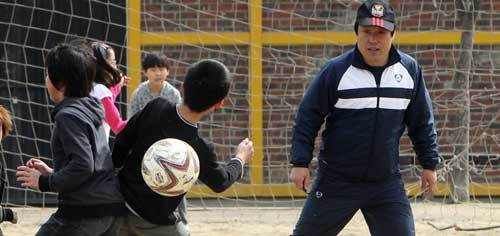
x,y
370,161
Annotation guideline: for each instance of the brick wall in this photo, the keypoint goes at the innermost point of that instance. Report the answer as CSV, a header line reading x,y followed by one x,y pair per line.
x,y
189,15
309,15
287,70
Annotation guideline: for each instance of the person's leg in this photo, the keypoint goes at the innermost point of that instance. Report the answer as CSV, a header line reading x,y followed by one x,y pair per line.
x,y
127,228
93,226
51,227
328,209
115,227
388,212
182,213
135,225
59,226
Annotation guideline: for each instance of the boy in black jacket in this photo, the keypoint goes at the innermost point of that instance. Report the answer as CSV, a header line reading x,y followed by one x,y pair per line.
x,y
205,87
89,194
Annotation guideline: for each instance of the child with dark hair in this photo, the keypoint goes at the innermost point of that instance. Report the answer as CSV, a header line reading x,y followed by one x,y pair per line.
x,y
90,202
107,86
205,87
156,69
6,214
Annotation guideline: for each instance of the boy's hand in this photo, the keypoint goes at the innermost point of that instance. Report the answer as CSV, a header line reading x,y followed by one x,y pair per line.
x,y
245,150
28,177
39,165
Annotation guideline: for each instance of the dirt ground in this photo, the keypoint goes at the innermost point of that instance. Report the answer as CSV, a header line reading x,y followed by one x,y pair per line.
x,y
279,221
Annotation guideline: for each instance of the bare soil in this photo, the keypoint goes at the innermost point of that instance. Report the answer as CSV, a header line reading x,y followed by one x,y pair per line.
x,y
281,220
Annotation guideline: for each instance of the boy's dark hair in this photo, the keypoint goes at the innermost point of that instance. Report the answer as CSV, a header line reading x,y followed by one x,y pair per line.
x,y
206,83
72,67
153,60
106,74
6,122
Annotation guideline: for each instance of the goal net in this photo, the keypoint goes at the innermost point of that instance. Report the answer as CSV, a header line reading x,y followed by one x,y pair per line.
x,y
273,48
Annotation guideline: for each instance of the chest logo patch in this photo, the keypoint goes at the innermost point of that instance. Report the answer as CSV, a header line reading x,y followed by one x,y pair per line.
x,y
398,77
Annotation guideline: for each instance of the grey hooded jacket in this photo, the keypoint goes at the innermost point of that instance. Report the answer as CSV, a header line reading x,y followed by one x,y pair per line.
x,y
83,169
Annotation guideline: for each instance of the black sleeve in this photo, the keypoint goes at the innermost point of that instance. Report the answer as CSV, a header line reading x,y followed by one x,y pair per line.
x,y
311,114
421,126
74,139
217,176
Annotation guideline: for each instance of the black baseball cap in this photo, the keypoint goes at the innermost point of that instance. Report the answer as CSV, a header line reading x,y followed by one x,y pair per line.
x,y
376,13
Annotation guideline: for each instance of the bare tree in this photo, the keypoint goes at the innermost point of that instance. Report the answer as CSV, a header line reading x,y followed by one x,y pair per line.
x,y
459,177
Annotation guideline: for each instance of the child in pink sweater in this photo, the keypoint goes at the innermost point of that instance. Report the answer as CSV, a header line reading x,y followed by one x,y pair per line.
x,y
107,86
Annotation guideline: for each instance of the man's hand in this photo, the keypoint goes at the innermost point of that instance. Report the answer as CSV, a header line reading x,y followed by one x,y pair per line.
x,y
245,150
429,179
301,178
39,165
28,177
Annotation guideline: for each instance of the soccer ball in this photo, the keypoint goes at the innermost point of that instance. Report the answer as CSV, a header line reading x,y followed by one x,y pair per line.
x,y
170,167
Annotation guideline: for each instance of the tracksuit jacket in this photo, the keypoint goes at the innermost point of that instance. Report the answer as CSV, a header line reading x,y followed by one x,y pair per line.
x,y
365,110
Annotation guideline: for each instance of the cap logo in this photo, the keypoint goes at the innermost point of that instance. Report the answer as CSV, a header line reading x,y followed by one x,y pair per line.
x,y
377,10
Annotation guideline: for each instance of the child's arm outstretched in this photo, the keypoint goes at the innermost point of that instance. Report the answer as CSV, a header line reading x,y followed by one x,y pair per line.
x,y
219,177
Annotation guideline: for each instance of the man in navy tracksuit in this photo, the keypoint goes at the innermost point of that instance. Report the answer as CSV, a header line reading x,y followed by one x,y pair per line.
x,y
366,97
